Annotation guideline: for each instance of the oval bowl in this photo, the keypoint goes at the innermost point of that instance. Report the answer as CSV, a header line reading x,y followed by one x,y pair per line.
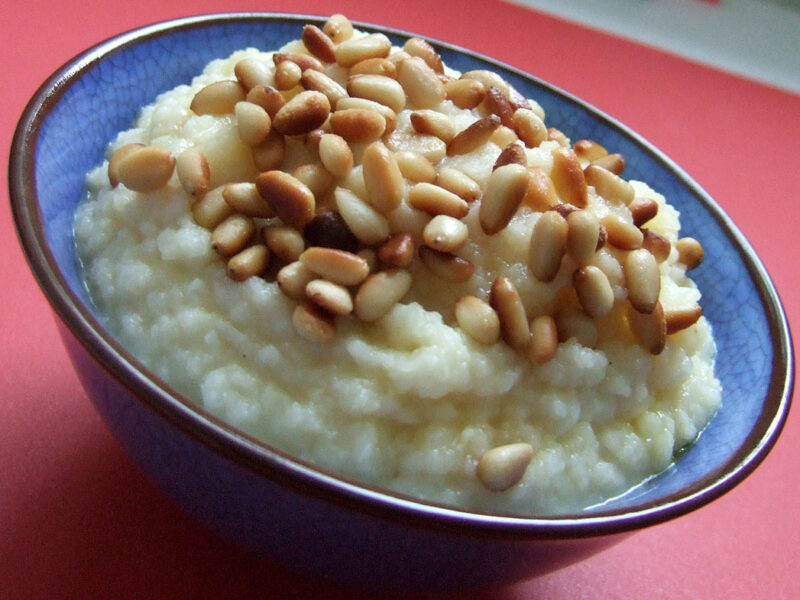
x,y
303,516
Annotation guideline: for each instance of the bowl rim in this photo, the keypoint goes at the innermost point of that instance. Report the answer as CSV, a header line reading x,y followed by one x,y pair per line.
x,y
264,460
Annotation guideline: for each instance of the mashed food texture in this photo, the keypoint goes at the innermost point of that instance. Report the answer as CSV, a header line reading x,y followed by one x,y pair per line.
x,y
399,273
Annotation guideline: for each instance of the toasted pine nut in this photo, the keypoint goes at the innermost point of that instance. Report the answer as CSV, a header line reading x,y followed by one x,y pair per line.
x,y
621,233
358,125
330,297
193,172
496,103
375,66
232,235
556,135
459,183
431,122
328,229
488,79
503,467
387,113
503,136
657,244
116,157
649,328
218,98
212,209
541,193
612,162
267,97
319,44
568,178
608,185
582,235
244,198
435,200
544,339
429,146
379,88
415,167
380,292
474,136
589,150
642,210
518,101
418,47
269,154
594,291
320,82
313,324
477,319
505,190
574,323
352,51
293,278
548,242
513,154
397,251
318,179
445,234
338,28
253,122
679,319
422,87
465,93
287,75
250,262
514,325
290,198
643,280
252,72
306,111
690,252
382,177
146,169
338,266
529,127
446,266
335,154
304,61
284,242
366,223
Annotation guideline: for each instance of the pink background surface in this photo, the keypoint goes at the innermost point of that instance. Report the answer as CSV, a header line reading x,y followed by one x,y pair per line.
x,y
78,520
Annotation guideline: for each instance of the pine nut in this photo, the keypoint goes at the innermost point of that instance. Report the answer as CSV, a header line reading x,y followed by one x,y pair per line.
x,y
293,279
212,209
589,150
488,79
513,154
382,177
146,169
318,43
250,262
650,329
574,323
358,125
658,245
267,97
642,210
218,98
320,82
429,146
379,88
291,199
318,179
362,103
621,233
446,266
612,162
375,66
252,72
594,291
541,193
380,292
678,319
643,280
503,136
544,339
519,101
313,324
505,190
243,197
306,111
556,135
335,154
422,87
474,136
397,251
568,178
338,28
287,75
352,51
415,167
193,172
608,185
338,266
445,234
116,157
514,326
416,46
232,235
253,122
496,103
503,467
459,183
304,61
430,122
465,93
330,297
548,243
690,252
329,230
435,200
367,224
582,235
529,127
284,242
477,319
269,154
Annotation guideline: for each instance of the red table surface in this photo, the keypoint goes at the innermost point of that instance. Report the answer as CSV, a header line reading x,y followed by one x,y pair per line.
x,y
78,520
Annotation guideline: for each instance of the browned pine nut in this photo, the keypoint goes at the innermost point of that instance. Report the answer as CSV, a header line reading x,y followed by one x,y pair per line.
x,y
379,88
252,72
269,154
643,280
306,111
335,154
556,135
541,193
330,297
397,251
366,223
250,262
435,200
380,292
608,185
318,179
679,319
116,157
445,234
284,242
375,66
304,61
146,169
218,98
513,154
503,136
293,279
253,122
657,244
320,82
290,198
594,291
338,266
690,252
338,28
465,93
329,229
505,190
267,97
446,266
529,127
544,339
582,235
232,235
362,103
418,47
358,125
574,323
287,75
503,467
313,324
488,79
319,44
514,325
354,50
477,319
193,172
548,242
415,167
474,136
589,150
496,103
212,209
243,197
649,328
642,210
612,162
382,177
430,122
568,178
621,233
422,87
461,184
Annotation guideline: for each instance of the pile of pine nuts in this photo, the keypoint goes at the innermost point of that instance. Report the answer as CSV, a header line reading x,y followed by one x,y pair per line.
x,y
327,242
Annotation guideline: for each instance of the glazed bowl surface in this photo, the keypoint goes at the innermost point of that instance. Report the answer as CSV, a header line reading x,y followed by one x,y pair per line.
x,y
314,520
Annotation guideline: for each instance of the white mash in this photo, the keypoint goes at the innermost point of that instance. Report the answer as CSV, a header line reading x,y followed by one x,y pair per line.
x,y
409,402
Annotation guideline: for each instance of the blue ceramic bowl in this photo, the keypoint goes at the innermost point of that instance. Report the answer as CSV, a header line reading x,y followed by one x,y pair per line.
x,y
310,519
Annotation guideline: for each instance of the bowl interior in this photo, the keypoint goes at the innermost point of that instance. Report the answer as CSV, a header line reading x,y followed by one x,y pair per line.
x,y
79,117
